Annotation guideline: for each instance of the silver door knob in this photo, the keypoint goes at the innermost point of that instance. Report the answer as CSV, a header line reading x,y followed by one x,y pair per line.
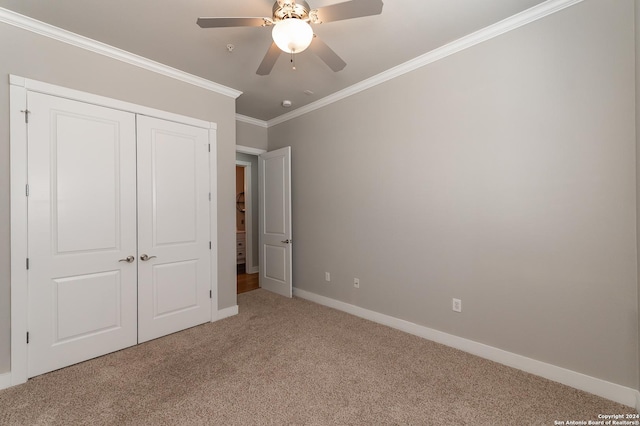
x,y
144,257
127,259
287,241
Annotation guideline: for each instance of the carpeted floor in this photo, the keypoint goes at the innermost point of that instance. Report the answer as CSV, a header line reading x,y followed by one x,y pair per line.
x,y
289,361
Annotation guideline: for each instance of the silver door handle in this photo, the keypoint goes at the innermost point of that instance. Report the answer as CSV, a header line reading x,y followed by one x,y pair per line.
x,y
144,257
128,259
287,241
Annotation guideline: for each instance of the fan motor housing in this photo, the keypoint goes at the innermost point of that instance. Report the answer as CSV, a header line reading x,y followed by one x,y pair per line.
x,y
285,9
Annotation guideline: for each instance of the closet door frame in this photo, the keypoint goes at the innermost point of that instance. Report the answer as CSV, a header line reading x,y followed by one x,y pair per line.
x,y
18,88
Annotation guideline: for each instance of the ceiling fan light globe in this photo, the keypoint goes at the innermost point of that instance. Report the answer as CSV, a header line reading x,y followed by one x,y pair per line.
x,y
292,35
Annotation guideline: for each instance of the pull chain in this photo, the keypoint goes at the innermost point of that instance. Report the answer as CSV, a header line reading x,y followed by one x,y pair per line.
x,y
293,62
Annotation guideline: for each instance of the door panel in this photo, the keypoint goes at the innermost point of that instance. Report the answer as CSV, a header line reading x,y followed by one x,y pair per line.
x,y
82,221
175,287
173,227
81,184
275,263
85,305
174,184
274,203
274,170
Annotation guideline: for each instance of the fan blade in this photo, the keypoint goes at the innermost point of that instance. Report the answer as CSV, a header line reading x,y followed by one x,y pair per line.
x,y
349,9
232,22
325,53
269,60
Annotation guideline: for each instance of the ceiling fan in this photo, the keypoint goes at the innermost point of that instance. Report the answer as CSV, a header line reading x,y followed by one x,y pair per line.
x,y
292,31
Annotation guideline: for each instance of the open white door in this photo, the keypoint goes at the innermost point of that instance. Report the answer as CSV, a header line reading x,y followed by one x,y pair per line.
x,y
274,169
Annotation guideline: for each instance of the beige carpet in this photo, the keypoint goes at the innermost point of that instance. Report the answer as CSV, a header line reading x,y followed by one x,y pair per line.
x,y
283,361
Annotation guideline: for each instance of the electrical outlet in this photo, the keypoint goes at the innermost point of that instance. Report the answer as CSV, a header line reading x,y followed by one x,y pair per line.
x,y
327,276
356,282
457,305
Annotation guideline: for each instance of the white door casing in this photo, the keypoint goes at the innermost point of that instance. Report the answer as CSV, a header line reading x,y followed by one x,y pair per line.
x,y
173,227
274,170
82,222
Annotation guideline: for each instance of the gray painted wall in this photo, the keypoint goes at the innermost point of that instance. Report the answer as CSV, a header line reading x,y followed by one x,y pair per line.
x,y
251,135
253,159
503,175
32,56
637,24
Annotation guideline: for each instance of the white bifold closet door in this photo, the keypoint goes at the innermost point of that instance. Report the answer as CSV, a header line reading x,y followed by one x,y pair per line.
x,y
82,228
118,230
173,227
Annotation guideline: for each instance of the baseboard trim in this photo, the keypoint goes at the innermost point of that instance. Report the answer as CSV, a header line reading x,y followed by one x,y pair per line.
x,y
608,390
227,312
5,380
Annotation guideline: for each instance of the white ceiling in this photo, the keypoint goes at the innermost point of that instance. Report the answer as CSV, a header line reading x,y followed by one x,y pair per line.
x,y
166,31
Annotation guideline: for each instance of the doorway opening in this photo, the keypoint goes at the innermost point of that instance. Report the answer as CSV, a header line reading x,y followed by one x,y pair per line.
x,y
271,221
246,223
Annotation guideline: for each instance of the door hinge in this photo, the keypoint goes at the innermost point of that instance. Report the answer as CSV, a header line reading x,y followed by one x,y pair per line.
x,y
209,245
26,190
210,294
26,115
209,196
27,337
209,147
27,263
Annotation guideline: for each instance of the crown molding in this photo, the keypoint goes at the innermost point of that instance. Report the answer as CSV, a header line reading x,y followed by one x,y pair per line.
x,y
41,28
516,21
509,24
251,120
249,150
